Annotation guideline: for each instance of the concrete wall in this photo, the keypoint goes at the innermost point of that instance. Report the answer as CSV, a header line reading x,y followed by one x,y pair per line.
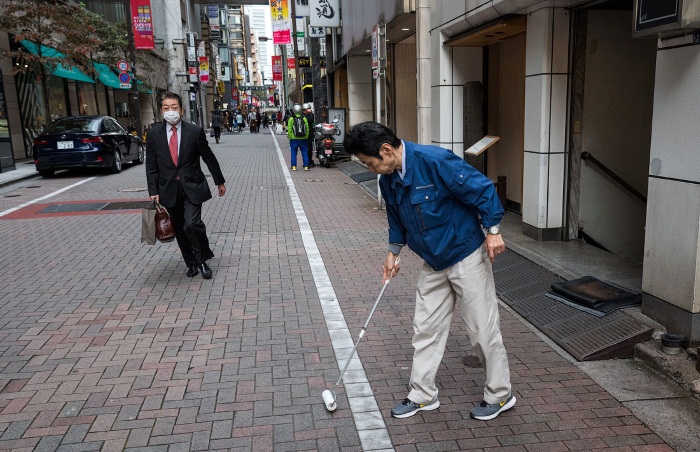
x,y
404,96
506,111
616,129
359,90
671,261
360,17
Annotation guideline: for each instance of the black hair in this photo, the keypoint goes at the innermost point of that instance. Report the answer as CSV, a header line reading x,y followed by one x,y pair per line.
x,y
170,95
368,137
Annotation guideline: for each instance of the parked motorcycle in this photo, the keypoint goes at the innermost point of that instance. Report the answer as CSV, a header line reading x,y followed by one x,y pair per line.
x,y
324,140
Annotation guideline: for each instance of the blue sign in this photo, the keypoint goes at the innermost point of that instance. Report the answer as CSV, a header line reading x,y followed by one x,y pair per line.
x,y
124,77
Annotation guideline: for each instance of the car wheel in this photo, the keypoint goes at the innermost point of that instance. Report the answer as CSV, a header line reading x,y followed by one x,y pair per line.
x,y
46,173
117,163
142,156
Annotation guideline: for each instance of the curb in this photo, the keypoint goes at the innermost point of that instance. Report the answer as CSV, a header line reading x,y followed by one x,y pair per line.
x,y
679,368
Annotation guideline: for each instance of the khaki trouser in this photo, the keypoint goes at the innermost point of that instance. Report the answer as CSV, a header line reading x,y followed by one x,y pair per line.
x,y
469,285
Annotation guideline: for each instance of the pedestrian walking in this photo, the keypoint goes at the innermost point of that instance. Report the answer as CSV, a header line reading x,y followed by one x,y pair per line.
x,y
175,180
298,133
239,121
216,122
309,115
437,204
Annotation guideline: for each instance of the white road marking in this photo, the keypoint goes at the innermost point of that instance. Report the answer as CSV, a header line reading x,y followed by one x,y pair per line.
x,y
34,201
368,419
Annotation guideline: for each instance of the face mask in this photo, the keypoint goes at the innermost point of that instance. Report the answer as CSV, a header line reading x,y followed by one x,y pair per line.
x,y
173,117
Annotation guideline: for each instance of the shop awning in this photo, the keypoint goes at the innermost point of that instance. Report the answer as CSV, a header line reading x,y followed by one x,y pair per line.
x,y
71,73
107,77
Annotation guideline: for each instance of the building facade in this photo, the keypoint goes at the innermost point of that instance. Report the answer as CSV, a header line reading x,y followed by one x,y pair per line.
x,y
596,119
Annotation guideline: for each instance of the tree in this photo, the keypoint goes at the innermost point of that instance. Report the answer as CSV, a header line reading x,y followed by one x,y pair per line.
x,y
112,38
52,23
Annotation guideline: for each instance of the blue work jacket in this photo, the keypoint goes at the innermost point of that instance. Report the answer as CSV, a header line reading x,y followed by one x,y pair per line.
x,y
438,209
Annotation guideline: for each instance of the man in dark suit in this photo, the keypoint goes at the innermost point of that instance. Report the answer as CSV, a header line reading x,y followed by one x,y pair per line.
x,y
175,180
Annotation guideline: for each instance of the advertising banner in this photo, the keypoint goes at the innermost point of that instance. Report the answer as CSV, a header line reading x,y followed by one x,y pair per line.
x,y
142,24
291,63
281,22
204,69
324,13
277,68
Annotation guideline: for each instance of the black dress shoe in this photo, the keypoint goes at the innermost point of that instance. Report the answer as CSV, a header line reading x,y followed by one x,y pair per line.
x,y
192,271
206,271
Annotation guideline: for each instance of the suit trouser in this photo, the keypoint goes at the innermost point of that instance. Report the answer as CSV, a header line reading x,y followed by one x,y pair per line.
x,y
468,285
190,231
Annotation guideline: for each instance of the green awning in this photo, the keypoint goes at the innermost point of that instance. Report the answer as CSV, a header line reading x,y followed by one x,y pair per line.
x,y
107,77
72,73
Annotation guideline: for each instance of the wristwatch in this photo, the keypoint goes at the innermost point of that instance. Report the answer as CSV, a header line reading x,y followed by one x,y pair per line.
x,y
495,229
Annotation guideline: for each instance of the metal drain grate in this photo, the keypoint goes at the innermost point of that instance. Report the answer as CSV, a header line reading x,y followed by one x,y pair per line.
x,y
63,208
522,285
363,177
127,205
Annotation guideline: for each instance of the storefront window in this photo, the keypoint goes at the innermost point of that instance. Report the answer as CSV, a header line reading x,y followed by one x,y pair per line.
x,y
86,99
57,98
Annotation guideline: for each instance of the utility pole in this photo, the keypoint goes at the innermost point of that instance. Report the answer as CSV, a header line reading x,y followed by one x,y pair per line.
x,y
300,95
136,105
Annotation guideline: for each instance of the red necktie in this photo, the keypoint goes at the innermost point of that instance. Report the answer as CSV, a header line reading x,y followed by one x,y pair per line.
x,y
173,145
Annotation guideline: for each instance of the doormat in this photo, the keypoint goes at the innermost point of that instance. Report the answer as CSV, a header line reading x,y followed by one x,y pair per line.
x,y
593,296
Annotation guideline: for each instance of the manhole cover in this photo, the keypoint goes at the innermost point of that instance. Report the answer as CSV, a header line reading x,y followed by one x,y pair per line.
x,y
471,361
132,189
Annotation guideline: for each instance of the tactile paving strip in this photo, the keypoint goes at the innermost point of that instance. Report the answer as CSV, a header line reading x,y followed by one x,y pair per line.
x,y
522,285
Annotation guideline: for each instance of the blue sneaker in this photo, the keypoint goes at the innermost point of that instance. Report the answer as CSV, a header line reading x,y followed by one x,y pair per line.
x,y
408,408
487,411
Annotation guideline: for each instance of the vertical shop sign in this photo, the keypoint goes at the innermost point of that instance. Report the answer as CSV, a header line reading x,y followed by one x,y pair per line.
x,y
142,24
301,8
204,69
213,15
277,68
291,63
281,22
324,13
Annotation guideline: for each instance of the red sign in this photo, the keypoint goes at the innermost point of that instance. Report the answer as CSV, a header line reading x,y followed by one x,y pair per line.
x,y
234,93
277,68
142,23
291,63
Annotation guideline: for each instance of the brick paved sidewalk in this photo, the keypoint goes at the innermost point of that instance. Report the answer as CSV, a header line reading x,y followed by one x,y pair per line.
x,y
106,345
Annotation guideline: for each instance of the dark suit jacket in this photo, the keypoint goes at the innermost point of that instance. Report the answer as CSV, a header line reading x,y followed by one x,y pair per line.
x,y
162,174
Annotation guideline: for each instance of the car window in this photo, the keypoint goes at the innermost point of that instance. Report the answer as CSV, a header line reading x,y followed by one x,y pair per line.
x,y
119,127
111,126
68,125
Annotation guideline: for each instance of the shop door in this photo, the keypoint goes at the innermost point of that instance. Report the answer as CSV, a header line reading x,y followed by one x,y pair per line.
x,y
610,130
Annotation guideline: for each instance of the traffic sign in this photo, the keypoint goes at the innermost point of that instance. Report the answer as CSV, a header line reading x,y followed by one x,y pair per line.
x,y
125,85
123,66
124,77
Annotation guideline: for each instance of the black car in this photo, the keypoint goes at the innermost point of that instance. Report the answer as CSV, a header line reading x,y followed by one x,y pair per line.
x,y
86,142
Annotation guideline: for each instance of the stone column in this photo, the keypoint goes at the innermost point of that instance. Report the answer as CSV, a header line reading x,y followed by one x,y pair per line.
x,y
671,278
546,82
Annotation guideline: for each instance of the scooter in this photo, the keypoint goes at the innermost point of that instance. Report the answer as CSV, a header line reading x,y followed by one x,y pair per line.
x,y
324,140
